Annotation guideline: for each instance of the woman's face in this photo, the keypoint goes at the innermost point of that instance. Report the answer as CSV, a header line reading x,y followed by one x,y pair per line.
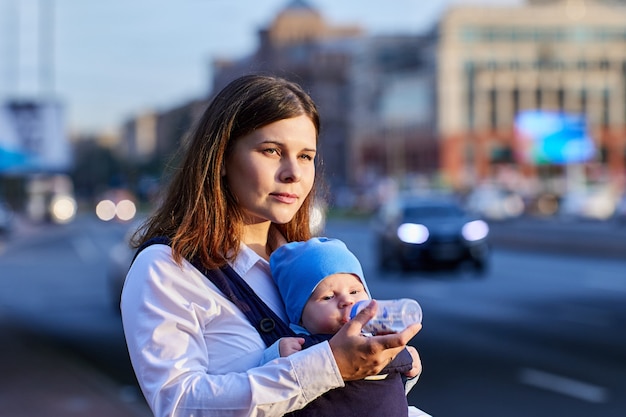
x,y
328,308
271,170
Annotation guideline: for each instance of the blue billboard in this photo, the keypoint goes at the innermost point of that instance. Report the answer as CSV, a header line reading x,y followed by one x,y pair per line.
x,y
551,137
33,137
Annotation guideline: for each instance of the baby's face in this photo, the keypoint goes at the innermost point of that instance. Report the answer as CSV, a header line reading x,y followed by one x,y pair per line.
x,y
328,308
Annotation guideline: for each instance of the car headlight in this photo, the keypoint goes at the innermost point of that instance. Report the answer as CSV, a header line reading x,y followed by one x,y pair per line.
x,y
63,209
105,210
475,230
124,210
413,233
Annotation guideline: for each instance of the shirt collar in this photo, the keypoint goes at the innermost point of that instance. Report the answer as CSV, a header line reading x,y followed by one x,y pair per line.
x,y
246,260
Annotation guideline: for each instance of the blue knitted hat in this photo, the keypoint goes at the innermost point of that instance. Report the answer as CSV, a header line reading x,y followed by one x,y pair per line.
x,y
298,267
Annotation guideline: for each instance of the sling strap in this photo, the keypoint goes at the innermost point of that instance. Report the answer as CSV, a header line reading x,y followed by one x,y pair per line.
x,y
265,321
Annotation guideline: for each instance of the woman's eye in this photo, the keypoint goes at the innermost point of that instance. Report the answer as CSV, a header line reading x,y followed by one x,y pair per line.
x,y
271,151
306,157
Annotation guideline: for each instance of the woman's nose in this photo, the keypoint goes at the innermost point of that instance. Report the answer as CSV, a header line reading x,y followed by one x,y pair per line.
x,y
291,171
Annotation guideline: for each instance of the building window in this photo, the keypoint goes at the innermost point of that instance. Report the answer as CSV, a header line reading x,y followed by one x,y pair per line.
x,y
538,97
469,34
469,76
604,154
493,108
502,155
605,107
583,101
604,64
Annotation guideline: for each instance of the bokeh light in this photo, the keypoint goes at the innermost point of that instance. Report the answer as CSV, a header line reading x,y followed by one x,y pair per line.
x,y
105,210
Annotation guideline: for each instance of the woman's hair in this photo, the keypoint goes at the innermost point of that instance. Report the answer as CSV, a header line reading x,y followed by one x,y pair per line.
x,y
198,213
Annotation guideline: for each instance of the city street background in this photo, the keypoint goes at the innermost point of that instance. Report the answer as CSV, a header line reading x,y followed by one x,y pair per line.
x,y
515,107
540,334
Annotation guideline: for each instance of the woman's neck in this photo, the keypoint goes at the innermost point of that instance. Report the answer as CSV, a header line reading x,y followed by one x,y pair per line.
x,y
255,237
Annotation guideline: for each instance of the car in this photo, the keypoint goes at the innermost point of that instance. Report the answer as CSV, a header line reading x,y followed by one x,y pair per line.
x,y
116,204
424,232
592,203
494,203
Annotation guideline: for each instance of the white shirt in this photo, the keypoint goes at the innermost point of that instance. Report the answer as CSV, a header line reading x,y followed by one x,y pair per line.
x,y
195,354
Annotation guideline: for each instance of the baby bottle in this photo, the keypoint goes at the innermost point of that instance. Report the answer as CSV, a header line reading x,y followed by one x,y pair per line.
x,y
392,316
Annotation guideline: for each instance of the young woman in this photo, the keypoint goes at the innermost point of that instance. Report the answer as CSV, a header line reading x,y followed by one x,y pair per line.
x,y
246,185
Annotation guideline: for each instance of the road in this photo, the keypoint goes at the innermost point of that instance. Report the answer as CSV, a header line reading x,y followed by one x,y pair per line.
x,y
541,334
52,284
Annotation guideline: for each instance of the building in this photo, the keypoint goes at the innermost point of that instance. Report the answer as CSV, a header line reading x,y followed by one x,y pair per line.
x,y
299,45
494,63
393,112
155,137
375,94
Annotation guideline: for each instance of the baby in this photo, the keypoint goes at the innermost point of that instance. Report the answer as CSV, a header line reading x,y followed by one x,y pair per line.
x,y
319,281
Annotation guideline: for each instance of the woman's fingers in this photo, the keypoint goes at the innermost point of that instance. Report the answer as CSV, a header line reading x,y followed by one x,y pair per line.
x,y
358,356
417,363
355,325
400,339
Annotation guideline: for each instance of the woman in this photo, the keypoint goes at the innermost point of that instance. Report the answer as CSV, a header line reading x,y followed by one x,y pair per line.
x,y
245,186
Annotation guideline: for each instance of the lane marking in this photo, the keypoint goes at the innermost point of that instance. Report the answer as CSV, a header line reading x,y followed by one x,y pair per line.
x,y
562,385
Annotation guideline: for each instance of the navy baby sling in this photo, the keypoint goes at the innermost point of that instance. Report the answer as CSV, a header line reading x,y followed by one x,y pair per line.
x,y
265,321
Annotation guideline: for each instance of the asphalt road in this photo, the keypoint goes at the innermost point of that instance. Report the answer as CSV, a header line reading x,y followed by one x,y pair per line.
x,y
541,334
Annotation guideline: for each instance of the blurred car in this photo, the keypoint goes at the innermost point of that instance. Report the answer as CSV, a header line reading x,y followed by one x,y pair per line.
x,y
116,204
494,203
425,232
592,203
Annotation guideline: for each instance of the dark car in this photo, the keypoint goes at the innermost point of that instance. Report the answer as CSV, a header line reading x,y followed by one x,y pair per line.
x,y
421,232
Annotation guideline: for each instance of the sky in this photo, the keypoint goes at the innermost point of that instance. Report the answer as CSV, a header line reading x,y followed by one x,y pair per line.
x,y
109,60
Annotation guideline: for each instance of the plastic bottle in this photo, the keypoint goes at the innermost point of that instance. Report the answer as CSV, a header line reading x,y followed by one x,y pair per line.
x,y
392,316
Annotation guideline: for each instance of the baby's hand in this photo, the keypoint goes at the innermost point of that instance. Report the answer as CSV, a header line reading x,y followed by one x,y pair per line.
x,y
417,363
290,345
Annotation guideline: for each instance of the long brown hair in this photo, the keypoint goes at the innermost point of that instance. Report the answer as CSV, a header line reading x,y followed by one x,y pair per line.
x,y
198,213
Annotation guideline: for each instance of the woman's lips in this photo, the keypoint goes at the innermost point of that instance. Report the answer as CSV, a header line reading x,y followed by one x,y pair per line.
x,y
286,198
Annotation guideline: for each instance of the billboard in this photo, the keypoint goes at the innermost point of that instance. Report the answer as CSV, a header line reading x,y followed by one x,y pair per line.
x,y
550,137
33,137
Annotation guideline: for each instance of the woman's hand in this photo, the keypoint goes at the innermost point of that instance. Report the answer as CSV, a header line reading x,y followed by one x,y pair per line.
x,y
289,345
417,363
358,357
